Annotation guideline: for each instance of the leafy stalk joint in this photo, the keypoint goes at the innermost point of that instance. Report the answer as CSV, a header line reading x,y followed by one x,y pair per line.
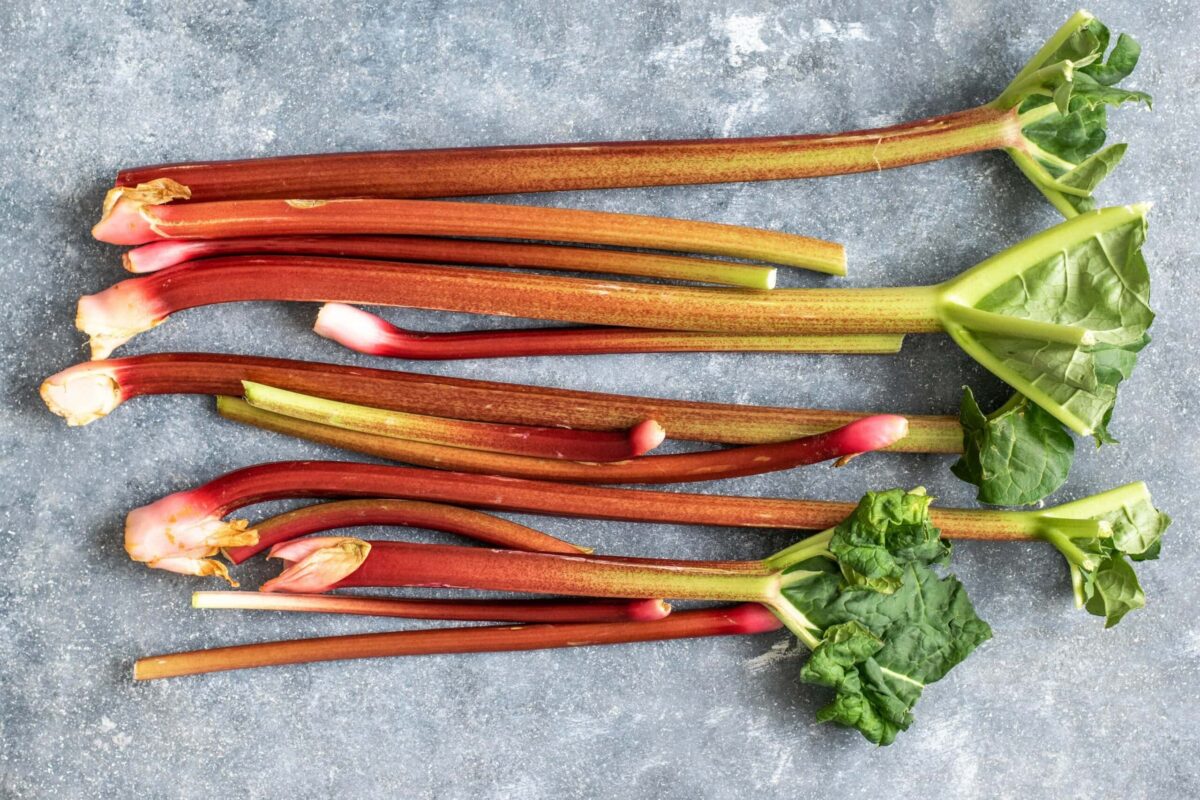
x,y
863,596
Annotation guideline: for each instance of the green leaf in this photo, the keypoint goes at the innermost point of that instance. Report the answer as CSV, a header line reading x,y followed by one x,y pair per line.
x,y
1107,584
878,651
1085,278
884,532
1112,590
1062,96
1017,455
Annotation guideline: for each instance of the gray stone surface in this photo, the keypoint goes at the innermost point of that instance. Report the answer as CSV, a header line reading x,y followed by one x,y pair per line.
x,y
1054,706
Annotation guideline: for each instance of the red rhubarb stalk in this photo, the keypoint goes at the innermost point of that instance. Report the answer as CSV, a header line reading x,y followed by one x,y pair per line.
x,y
119,313
89,391
160,255
365,332
599,165
181,531
744,619
321,517
1046,119
137,217
520,440
543,611
861,436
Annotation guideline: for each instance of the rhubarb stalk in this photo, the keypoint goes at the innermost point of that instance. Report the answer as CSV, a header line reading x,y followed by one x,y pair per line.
x,y
160,255
735,621
364,332
375,426
141,215
520,440
321,517
543,611
88,391
1050,119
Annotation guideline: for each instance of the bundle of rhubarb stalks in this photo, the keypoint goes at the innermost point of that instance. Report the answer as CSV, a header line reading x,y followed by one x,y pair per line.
x,y
1060,317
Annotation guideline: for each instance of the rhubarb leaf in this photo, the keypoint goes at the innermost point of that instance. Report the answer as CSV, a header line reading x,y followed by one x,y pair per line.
x,y
886,531
878,651
1062,96
1105,583
1017,455
1061,317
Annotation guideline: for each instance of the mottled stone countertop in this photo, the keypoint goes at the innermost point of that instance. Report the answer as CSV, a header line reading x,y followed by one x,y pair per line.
x,y
1054,706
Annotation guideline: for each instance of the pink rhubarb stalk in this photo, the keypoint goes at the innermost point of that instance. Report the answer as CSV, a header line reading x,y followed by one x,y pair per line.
x,y
88,391
122,311
160,255
142,215
841,444
365,332
321,517
543,611
181,531
744,619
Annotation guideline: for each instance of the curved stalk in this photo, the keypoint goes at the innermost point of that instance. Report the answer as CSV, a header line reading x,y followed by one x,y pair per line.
x,y
321,517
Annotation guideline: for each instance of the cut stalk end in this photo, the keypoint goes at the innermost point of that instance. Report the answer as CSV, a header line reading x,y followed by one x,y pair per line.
x,y
81,394
178,534
114,316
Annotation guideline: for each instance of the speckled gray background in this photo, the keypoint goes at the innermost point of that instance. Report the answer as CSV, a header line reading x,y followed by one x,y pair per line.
x,y
1054,706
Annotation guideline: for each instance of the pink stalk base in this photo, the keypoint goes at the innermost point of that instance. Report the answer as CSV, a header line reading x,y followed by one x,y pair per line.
x,y
842,444
365,332
744,619
527,611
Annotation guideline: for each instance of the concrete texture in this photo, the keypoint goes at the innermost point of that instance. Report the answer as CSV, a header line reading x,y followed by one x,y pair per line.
x,y
1054,706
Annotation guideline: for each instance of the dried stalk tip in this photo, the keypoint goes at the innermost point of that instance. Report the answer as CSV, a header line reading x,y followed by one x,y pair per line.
x,y
82,393
122,221
316,565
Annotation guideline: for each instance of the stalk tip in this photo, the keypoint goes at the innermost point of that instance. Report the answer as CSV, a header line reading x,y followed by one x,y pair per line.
x,y
645,436
315,565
